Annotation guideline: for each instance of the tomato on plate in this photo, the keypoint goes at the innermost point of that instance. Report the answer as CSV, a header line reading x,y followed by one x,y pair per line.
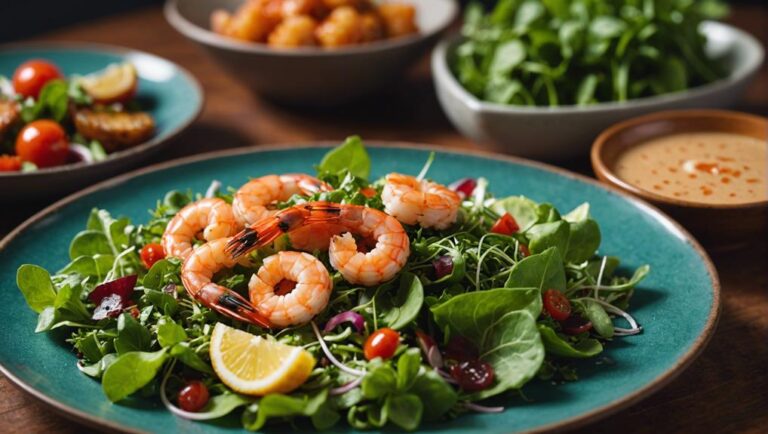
x,y
505,225
556,304
193,397
44,143
381,343
472,375
30,77
10,163
151,253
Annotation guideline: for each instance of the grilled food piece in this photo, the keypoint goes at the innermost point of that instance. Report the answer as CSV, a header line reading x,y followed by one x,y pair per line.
x,y
115,130
9,116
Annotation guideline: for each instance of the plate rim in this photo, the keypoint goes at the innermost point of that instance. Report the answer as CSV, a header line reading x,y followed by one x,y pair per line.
x,y
680,365
155,143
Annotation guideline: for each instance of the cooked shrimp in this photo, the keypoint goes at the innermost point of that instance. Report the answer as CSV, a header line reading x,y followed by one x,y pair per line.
x,y
300,304
413,201
294,31
399,19
252,199
342,27
212,216
9,116
388,256
196,274
252,21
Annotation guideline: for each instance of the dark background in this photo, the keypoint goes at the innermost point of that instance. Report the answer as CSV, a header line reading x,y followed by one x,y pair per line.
x,y
24,18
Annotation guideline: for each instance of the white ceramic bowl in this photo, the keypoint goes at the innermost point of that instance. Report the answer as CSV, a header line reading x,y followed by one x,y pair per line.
x,y
312,76
559,132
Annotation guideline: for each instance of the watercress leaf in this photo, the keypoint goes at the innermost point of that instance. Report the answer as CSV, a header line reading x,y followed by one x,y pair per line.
x,y
349,399
408,368
69,304
279,405
325,417
544,271
89,347
131,336
161,299
639,275
558,346
524,210
169,333
96,370
601,322
585,94
189,357
594,265
606,27
528,12
401,309
377,415
404,410
36,287
130,372
436,395
542,236
351,156
221,405
578,214
89,243
507,56
46,319
156,276
379,382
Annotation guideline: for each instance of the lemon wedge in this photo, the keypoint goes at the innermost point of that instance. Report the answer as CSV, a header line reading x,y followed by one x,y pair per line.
x,y
117,83
253,365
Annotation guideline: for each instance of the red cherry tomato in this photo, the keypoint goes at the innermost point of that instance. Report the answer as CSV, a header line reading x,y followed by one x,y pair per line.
x,y
473,375
556,304
505,225
44,143
368,192
32,75
381,343
193,396
461,349
525,251
576,324
151,253
10,163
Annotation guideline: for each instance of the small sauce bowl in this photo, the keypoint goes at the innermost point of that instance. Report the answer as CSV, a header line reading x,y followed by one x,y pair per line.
x,y
718,226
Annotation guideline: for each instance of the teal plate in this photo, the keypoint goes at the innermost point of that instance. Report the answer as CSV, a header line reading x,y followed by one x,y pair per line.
x,y
167,91
677,304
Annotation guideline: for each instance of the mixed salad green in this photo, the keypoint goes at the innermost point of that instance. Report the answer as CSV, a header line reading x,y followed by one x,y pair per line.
x,y
480,313
581,52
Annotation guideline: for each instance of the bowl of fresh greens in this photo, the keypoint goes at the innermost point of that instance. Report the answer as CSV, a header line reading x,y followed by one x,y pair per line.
x,y
541,79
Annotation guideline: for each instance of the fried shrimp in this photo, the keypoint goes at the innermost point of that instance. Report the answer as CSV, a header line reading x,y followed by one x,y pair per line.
x,y
390,243
271,293
196,274
251,201
213,217
413,201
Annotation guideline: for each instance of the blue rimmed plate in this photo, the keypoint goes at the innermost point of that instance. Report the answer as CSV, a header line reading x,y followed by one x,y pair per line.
x,y
677,304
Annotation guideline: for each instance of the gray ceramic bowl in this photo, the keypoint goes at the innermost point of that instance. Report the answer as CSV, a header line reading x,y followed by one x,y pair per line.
x,y
559,132
311,76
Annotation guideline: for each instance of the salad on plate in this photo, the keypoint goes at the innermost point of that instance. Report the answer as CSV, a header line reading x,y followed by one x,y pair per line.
x,y
335,298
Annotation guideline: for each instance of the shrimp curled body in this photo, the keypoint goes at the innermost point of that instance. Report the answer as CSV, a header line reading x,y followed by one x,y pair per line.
x,y
212,216
413,201
196,275
308,298
378,265
251,201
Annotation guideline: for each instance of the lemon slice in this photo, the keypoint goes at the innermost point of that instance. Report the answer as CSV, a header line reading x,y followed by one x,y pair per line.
x,y
253,365
117,83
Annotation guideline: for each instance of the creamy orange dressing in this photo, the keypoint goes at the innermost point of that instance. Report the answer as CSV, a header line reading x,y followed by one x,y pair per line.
x,y
708,167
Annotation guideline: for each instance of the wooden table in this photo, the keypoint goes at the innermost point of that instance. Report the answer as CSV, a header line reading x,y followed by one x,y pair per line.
x,y
725,390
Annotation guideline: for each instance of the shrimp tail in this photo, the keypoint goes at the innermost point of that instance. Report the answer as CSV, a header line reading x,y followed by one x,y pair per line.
x,y
233,305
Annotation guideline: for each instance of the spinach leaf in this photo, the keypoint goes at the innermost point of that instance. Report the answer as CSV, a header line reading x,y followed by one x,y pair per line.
x,y
130,372
542,236
524,210
601,322
169,333
408,365
89,243
436,395
221,405
131,336
279,405
183,352
584,236
36,287
558,346
400,309
543,271
404,410
379,382
52,103
96,370
351,156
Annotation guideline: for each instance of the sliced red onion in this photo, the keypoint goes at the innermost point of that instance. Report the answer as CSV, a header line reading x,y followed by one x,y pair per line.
x,y
112,297
443,266
331,357
357,321
429,348
464,187
482,408
347,387
82,153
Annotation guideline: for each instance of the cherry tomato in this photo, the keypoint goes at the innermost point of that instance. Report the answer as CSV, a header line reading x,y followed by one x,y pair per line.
x,y
524,251
134,311
473,375
461,349
32,75
505,225
10,163
381,343
193,396
576,324
44,143
151,253
556,304
368,192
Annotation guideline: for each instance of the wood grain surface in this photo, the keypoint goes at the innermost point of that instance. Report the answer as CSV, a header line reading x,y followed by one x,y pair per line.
x,y
724,391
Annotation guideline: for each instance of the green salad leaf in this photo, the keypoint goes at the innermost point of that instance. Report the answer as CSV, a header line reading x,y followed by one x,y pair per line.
x,y
351,156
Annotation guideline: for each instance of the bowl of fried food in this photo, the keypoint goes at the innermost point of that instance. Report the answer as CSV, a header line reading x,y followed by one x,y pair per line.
x,y
313,52
71,114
